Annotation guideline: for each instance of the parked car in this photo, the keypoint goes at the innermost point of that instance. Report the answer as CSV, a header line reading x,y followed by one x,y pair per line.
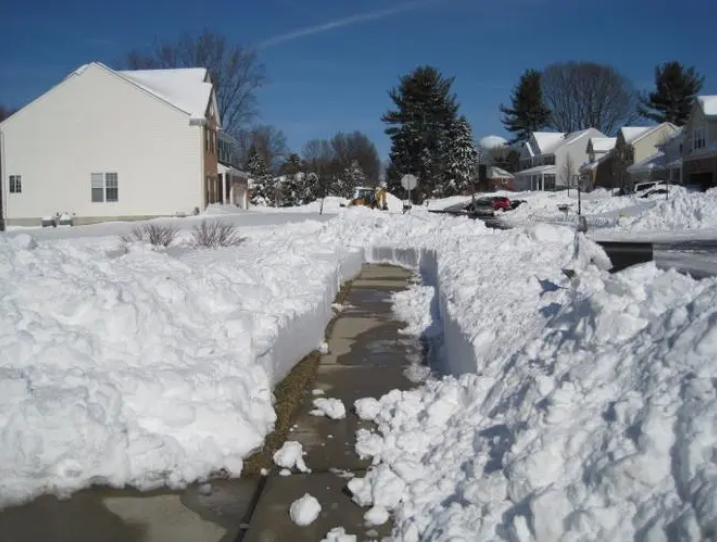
x,y
642,187
659,191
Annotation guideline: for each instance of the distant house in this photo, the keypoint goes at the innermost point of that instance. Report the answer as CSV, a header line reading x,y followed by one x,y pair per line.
x,y
699,149
235,183
499,179
636,144
552,160
598,166
665,164
113,145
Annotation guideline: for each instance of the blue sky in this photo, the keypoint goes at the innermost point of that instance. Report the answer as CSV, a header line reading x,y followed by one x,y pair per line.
x,y
331,62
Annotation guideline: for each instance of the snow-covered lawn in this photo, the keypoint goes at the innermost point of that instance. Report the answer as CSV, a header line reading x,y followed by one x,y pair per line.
x,y
576,408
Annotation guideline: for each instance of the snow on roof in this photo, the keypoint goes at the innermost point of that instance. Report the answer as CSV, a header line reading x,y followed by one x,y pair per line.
x,y
630,133
537,170
548,140
708,105
491,142
187,89
498,173
602,144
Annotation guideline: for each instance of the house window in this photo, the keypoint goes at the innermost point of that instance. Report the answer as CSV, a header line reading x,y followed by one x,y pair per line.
x,y
206,138
16,184
105,187
98,187
111,187
699,138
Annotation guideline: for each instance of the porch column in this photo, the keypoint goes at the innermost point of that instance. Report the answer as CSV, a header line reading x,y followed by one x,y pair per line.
x,y
224,188
542,181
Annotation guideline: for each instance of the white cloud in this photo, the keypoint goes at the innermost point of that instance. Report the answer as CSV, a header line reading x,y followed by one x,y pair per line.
x,y
346,21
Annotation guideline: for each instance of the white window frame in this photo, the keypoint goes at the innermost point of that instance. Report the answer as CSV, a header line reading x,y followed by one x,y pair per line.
x,y
100,186
699,137
15,184
112,183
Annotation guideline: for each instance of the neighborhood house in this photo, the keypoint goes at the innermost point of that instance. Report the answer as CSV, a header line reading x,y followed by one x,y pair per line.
x,y
117,145
552,160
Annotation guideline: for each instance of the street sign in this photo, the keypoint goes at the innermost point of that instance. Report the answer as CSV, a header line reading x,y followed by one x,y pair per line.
x,y
409,182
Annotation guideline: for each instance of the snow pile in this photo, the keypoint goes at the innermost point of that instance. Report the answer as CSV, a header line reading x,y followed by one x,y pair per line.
x,y
595,426
367,408
682,211
290,456
304,510
151,367
338,534
331,408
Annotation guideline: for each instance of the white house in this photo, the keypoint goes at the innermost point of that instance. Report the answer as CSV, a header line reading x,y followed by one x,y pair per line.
x,y
551,160
107,145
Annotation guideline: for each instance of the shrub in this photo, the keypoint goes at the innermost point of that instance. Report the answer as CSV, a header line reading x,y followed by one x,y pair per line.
x,y
156,235
216,234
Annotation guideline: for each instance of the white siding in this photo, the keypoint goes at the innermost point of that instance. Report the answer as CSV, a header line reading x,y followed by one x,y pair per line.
x,y
573,155
96,122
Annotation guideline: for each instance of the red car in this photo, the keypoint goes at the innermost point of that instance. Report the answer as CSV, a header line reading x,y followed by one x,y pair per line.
x,y
496,203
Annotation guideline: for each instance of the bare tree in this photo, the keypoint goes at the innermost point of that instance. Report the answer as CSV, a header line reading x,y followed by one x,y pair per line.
x,y
584,95
567,172
269,142
236,71
357,147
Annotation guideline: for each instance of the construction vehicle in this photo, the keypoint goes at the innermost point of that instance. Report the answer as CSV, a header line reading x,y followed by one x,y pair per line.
x,y
374,198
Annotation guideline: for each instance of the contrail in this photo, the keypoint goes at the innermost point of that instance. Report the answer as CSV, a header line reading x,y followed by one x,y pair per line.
x,y
348,21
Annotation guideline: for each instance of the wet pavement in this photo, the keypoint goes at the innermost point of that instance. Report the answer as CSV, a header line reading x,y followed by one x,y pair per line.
x,y
367,358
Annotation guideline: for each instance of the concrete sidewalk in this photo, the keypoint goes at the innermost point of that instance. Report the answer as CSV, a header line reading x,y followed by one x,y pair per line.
x,y
367,358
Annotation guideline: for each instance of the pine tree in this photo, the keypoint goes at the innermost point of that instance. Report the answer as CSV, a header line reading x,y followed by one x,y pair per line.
x,y
292,176
263,187
528,112
676,88
418,128
462,159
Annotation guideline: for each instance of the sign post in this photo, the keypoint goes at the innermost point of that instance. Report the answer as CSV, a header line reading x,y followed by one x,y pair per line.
x,y
408,182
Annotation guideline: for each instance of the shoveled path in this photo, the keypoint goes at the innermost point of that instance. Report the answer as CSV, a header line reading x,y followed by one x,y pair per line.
x,y
367,358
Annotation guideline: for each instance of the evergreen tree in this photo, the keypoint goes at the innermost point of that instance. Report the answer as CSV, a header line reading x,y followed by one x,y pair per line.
x,y
462,159
425,109
310,188
292,176
528,112
351,177
676,88
263,187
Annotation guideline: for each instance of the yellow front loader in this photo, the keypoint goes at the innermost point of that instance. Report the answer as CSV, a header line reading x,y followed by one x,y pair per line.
x,y
374,198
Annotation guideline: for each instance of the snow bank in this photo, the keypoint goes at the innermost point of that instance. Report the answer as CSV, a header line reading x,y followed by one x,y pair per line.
x,y
151,367
683,211
585,419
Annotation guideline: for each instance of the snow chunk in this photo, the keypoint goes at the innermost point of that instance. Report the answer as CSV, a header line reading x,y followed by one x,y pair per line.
x,y
367,408
376,516
338,534
305,510
290,456
332,408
